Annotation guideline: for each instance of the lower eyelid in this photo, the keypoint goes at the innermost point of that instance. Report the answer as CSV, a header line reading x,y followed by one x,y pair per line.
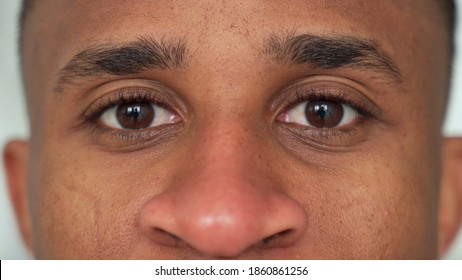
x,y
302,140
113,140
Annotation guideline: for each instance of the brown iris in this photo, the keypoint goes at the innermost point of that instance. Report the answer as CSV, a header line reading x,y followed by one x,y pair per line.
x,y
324,114
135,115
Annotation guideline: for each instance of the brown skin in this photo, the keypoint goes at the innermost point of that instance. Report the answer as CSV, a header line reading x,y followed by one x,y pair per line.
x,y
229,179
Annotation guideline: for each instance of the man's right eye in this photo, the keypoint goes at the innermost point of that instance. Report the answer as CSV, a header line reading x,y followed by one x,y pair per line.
x,y
137,115
132,118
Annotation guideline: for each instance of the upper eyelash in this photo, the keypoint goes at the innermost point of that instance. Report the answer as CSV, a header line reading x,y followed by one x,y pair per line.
x,y
300,95
325,94
126,95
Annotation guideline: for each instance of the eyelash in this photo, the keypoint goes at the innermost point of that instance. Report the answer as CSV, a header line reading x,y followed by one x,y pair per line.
x,y
365,108
126,95
328,138
300,95
124,140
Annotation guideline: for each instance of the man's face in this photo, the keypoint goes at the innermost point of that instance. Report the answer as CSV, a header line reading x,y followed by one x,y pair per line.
x,y
235,129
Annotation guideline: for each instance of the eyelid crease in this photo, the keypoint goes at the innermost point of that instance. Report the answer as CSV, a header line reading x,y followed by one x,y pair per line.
x,y
312,93
124,95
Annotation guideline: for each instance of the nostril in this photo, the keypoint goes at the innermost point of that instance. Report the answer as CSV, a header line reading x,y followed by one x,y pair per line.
x,y
161,231
166,238
277,238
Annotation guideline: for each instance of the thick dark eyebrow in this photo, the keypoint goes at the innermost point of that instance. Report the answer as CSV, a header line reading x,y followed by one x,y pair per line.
x,y
331,52
124,59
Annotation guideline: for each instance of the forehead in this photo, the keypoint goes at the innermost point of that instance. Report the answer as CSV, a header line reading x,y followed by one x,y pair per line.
x,y
83,21
77,24
217,31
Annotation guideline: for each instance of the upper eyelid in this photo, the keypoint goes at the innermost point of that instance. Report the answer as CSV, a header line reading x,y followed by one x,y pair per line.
x,y
124,95
323,96
330,91
302,104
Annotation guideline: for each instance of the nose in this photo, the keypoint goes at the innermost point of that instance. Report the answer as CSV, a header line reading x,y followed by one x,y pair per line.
x,y
223,203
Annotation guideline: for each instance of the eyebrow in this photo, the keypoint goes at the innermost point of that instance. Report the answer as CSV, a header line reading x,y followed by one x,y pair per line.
x,y
143,54
331,52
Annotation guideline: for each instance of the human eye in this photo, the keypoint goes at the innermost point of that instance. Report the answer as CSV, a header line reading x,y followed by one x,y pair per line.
x,y
131,117
137,115
321,114
327,114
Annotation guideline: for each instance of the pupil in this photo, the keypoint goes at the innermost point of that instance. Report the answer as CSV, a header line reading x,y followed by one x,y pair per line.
x,y
135,115
321,110
324,114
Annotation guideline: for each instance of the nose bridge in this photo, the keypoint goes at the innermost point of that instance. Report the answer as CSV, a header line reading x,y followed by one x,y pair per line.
x,y
226,148
222,201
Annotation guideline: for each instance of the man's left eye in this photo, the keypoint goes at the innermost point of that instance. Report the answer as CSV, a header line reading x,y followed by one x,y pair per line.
x,y
321,114
137,115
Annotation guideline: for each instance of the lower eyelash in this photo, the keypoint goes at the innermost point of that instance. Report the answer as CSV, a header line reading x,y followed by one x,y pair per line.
x,y
125,141
326,138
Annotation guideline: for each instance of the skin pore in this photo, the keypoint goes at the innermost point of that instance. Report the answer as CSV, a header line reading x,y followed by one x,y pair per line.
x,y
234,129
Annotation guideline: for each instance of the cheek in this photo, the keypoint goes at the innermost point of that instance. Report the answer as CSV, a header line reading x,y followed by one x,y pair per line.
x,y
397,202
378,204
87,206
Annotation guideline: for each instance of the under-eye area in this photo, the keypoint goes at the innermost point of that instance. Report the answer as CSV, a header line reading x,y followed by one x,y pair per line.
x,y
326,114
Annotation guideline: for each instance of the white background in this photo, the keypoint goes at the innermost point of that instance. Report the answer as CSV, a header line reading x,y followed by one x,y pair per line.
x,y
231,269
13,121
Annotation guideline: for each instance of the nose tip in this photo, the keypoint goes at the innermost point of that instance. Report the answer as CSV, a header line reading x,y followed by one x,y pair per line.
x,y
226,225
